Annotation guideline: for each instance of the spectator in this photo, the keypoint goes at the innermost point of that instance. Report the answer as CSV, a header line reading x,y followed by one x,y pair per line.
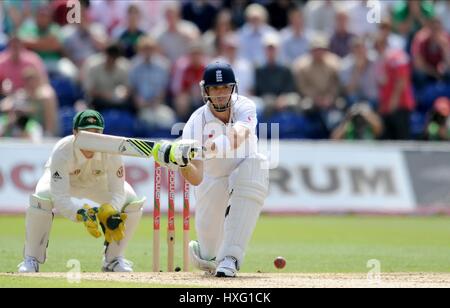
x,y
396,99
274,82
213,39
84,39
1,19
153,12
242,68
431,54
129,37
320,16
188,72
237,9
436,128
295,40
358,74
410,16
278,12
43,36
340,40
149,81
360,123
201,12
442,12
41,99
3,36
176,35
16,12
252,33
358,22
14,60
15,120
395,41
60,11
317,74
106,80
111,14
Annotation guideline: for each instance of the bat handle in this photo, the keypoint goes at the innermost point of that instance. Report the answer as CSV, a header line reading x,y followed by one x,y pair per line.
x,y
195,152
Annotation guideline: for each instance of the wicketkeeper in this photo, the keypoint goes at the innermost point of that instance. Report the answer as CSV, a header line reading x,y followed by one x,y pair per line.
x,y
71,174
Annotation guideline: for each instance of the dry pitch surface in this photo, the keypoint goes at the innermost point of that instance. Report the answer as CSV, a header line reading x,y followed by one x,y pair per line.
x,y
248,280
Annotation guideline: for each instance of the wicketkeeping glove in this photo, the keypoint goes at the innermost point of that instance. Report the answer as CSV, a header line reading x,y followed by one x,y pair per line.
x,y
112,223
87,215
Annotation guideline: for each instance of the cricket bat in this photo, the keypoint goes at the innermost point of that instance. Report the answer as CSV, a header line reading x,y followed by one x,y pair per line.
x,y
119,145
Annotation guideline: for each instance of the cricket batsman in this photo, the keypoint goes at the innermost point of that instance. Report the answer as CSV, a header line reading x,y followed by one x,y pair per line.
x,y
231,180
75,173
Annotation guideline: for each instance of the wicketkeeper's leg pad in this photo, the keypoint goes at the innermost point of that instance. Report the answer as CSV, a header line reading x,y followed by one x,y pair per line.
x,y
38,222
134,214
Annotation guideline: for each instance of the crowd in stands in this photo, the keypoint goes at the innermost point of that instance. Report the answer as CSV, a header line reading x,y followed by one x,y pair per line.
x,y
321,69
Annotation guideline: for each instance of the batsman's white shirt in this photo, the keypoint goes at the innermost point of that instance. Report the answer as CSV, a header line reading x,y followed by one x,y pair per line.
x,y
213,195
204,127
68,173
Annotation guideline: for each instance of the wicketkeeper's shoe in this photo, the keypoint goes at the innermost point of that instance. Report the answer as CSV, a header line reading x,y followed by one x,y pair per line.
x,y
29,265
227,267
119,264
209,266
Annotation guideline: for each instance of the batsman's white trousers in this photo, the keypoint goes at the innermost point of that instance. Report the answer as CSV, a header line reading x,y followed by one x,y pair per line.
x,y
227,208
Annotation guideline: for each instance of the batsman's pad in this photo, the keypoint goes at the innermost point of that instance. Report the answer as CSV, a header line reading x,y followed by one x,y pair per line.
x,y
38,223
196,259
133,211
249,185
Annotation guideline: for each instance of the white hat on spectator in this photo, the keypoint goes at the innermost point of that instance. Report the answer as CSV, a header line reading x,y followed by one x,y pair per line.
x,y
256,11
231,40
319,42
271,40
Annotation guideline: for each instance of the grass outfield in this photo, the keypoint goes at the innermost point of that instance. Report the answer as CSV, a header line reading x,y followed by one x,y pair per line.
x,y
317,244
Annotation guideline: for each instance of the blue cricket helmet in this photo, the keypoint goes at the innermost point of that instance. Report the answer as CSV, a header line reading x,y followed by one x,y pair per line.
x,y
218,73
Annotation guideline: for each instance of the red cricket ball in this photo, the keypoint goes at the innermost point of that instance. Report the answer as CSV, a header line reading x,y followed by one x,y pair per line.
x,y
279,262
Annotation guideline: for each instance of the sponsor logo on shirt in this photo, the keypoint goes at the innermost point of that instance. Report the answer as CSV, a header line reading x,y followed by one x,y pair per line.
x,y
76,172
120,172
56,176
96,172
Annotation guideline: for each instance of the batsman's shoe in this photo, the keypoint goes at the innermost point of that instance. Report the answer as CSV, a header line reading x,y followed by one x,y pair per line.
x,y
120,265
209,266
29,265
227,267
